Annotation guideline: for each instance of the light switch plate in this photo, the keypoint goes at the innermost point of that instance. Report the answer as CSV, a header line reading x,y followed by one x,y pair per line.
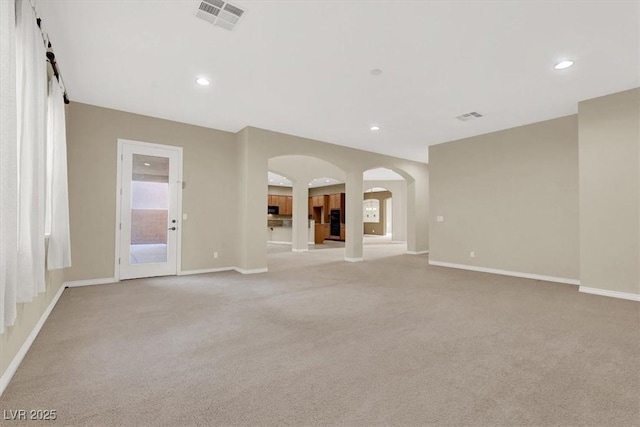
x,y
184,217
440,218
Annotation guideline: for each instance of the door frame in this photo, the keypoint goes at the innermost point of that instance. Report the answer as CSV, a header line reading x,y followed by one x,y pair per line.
x,y
119,161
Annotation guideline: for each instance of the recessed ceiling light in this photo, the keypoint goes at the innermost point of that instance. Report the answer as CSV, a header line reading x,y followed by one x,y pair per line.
x,y
147,164
202,81
376,72
310,183
327,180
375,128
563,64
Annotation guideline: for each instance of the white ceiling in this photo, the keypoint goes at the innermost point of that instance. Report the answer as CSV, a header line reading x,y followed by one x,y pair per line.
x,y
303,67
310,170
278,180
381,174
378,174
281,181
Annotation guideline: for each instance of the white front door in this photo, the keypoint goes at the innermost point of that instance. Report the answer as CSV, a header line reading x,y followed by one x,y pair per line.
x,y
149,229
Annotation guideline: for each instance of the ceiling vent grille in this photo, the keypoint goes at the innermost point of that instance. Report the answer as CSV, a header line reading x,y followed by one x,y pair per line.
x,y
220,13
469,116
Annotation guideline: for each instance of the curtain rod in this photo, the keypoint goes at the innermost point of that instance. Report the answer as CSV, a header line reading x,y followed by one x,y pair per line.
x,y
51,57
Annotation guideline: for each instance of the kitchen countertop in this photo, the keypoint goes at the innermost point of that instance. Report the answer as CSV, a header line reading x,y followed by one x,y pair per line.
x,y
283,222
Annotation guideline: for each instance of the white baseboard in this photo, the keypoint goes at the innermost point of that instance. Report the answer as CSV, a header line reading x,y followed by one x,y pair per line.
x,y
90,282
417,252
13,366
250,271
204,271
506,272
299,250
353,259
612,294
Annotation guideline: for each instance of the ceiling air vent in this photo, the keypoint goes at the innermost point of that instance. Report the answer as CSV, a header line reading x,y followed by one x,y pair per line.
x,y
469,116
220,13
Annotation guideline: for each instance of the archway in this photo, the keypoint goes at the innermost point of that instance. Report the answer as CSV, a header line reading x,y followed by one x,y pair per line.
x,y
260,145
390,190
377,214
298,178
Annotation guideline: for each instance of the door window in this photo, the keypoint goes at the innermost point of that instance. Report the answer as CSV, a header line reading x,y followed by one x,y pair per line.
x,y
149,209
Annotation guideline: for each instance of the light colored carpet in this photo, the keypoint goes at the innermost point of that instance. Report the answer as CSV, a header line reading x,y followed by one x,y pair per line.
x,y
319,341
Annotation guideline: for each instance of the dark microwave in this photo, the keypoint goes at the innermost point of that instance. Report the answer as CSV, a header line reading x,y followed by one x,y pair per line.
x,y
273,210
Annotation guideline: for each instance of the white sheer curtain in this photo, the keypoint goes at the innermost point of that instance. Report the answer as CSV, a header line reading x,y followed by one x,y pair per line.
x,y
33,162
8,165
57,214
32,102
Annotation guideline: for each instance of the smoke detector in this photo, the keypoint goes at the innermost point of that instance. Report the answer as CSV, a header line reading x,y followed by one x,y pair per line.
x,y
220,13
469,116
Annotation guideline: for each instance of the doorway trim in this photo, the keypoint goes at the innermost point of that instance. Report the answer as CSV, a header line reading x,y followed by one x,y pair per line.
x,y
119,158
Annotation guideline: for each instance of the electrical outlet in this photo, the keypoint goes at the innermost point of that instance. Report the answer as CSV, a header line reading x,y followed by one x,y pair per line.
x,y
439,218
472,254
215,255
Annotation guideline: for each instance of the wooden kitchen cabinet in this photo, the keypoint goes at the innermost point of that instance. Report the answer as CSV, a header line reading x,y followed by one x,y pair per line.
x,y
318,237
336,201
280,203
288,205
284,204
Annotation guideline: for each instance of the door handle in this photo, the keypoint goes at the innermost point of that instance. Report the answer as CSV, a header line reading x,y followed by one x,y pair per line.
x,y
172,228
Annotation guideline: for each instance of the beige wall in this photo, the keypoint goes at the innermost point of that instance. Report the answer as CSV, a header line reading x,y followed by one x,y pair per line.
x,y
27,317
329,189
304,169
209,196
510,196
610,192
279,191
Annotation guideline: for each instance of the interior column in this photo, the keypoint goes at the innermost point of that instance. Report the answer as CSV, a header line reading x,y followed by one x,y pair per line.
x,y
300,221
353,216
417,215
252,198
399,206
